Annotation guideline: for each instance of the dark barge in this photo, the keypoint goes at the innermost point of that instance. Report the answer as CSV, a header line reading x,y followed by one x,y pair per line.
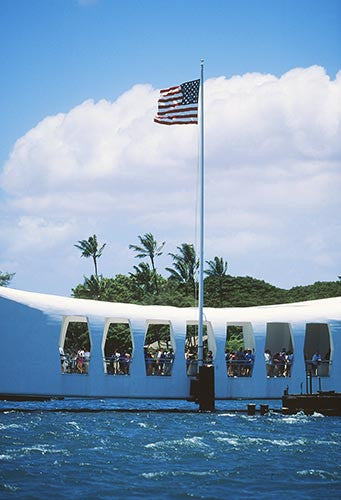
x,y
327,403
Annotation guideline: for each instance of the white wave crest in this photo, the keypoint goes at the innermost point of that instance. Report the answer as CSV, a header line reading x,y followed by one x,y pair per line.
x,y
43,449
192,442
323,474
4,427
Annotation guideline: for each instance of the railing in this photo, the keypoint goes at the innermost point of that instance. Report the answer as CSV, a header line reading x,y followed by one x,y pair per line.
x,y
118,366
158,367
74,364
278,369
317,369
239,367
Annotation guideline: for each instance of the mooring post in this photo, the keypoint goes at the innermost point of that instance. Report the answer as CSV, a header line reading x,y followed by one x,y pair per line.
x,y
264,409
251,409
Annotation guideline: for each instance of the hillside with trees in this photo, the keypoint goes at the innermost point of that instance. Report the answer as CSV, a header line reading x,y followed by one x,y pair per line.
x,y
145,285
237,291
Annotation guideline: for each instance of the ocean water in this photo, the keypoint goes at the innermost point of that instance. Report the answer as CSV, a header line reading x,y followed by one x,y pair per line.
x,y
87,453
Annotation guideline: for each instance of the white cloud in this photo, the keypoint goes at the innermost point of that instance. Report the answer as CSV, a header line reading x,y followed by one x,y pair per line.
x,y
38,234
273,155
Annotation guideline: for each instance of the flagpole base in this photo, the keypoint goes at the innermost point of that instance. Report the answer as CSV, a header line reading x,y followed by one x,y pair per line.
x,y
202,389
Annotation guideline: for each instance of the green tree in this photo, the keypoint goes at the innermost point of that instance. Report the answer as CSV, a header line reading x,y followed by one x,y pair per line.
x,y
89,248
144,277
172,295
5,278
185,267
77,337
96,288
159,334
121,288
149,248
217,268
118,337
238,291
234,338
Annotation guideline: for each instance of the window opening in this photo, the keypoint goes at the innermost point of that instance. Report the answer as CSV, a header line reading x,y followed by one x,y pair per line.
x,y
158,350
279,351
317,349
75,349
118,349
239,352
191,349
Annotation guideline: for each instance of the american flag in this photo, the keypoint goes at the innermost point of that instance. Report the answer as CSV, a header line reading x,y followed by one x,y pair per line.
x,y
178,105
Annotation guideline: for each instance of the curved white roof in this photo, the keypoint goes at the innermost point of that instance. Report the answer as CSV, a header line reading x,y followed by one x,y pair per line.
x,y
315,310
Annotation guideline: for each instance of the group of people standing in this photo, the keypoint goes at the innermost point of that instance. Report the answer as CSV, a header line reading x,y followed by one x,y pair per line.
x,y
239,363
76,361
278,364
158,361
118,364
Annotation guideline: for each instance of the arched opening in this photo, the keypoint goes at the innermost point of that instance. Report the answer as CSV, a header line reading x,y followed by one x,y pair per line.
x,y
191,347
117,348
239,350
279,350
159,349
317,349
75,345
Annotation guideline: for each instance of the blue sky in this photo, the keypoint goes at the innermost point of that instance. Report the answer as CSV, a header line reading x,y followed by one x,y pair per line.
x,y
57,54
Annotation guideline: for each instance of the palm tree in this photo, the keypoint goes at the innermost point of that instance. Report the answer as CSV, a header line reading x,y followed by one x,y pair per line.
x,y
185,266
149,248
89,248
144,277
96,287
5,278
217,268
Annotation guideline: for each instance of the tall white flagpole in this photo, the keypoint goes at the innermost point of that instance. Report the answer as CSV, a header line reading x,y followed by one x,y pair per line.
x,y
201,249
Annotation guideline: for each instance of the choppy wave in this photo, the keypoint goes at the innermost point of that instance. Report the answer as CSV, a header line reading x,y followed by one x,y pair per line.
x,y
41,449
192,442
322,474
4,427
171,456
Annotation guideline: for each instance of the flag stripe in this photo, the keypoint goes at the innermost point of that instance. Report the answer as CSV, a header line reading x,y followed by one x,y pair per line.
x,y
172,111
176,105
171,93
175,122
180,117
170,99
177,109
170,89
